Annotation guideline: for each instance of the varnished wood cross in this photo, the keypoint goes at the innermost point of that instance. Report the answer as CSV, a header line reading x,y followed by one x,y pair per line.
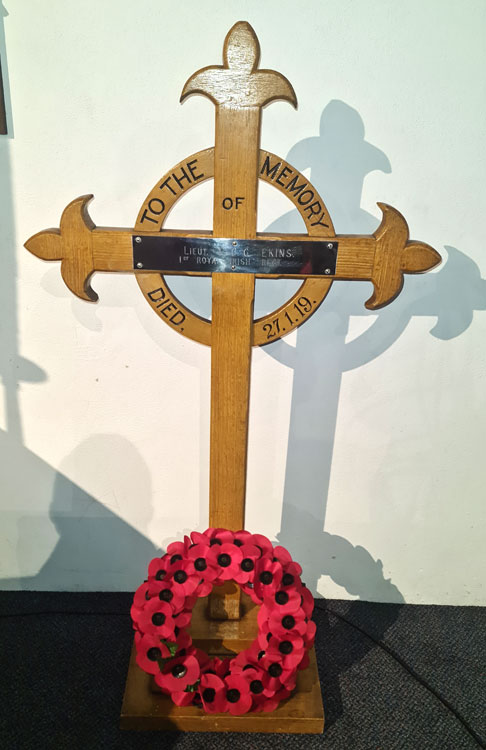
x,y
234,253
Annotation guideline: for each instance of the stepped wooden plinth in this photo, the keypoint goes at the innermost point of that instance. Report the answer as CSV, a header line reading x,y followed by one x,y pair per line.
x,y
145,707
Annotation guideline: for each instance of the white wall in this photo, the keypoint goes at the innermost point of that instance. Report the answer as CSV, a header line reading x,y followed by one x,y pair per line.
x,y
367,431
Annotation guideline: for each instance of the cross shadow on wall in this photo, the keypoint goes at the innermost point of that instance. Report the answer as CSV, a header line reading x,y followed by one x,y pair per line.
x,y
339,159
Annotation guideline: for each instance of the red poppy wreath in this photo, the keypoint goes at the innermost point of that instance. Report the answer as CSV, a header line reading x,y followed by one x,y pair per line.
x,y
256,679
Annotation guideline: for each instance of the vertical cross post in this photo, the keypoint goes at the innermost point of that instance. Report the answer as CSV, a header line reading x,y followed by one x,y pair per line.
x,y
235,199
239,92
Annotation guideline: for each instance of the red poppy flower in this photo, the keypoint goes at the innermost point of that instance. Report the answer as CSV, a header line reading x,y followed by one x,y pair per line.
x,y
238,698
149,651
288,651
219,536
265,544
178,674
255,677
247,657
203,562
200,549
165,591
182,577
178,548
268,576
284,601
156,619
213,693
158,568
227,557
242,537
250,553
292,569
276,675
282,554
280,623
198,538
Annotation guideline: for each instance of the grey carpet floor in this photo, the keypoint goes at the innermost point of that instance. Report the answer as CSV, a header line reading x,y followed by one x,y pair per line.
x,y
393,677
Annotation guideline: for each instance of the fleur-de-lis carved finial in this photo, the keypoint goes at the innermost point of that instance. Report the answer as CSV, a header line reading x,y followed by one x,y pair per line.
x,y
241,48
238,82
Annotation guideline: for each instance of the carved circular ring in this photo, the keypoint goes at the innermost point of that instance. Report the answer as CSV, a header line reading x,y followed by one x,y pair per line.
x,y
195,170
256,679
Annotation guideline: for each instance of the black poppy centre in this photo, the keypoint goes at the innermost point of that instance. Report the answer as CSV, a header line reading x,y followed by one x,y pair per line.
x,y
288,622
266,577
224,560
256,686
178,670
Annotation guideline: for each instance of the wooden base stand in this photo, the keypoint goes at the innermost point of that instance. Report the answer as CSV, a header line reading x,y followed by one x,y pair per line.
x,y
145,707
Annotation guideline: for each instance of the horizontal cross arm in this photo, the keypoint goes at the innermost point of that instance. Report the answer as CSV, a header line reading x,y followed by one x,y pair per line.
x,y
381,258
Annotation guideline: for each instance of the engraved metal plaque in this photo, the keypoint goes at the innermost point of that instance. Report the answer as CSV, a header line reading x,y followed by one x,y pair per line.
x,y
216,255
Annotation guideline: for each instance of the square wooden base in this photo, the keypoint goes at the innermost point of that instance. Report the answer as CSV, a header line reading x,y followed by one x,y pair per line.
x,y
145,707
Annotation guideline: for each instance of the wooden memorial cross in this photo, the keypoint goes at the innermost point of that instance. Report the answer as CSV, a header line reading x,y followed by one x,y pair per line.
x,y
234,254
